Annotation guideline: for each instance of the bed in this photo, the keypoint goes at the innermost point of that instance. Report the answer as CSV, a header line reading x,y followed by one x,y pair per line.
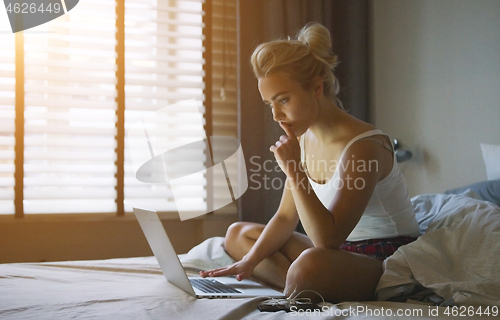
x,y
453,269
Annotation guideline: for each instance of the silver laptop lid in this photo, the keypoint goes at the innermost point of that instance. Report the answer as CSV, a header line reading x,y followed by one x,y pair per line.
x,y
174,272
163,250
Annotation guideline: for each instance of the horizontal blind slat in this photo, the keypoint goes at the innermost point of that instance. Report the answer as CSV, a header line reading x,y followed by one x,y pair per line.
x,y
64,206
67,130
70,193
163,83
64,102
7,128
86,141
72,65
69,77
96,168
69,90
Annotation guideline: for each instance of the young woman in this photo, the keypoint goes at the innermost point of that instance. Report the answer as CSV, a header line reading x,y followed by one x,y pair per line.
x,y
342,182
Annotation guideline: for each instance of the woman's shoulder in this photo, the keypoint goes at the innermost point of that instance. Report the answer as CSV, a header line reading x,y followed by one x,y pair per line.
x,y
373,145
358,126
358,130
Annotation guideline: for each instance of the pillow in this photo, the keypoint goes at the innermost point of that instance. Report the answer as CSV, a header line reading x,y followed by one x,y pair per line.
x,y
491,157
486,190
434,210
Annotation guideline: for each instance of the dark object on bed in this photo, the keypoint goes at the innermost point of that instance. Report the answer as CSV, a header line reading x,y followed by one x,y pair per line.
x,y
270,306
488,190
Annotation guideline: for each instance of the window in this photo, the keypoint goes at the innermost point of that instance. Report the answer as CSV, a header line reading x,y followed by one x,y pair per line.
x,y
73,107
7,116
69,126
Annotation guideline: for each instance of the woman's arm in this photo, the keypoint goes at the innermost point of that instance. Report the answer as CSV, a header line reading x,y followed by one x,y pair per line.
x,y
329,227
278,230
275,234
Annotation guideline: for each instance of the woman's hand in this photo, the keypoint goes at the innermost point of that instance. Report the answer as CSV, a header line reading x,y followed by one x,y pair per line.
x,y
287,152
243,269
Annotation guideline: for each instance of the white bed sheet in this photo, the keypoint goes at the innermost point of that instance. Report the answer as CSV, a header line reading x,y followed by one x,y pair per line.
x,y
135,288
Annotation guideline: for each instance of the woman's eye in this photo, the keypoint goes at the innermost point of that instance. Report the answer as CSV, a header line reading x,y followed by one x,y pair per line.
x,y
283,101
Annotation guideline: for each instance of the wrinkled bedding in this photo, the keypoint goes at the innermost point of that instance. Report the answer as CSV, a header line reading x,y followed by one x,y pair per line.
x,y
457,259
134,288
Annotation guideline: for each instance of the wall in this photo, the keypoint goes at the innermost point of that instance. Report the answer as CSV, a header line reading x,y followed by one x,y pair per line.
x,y
435,84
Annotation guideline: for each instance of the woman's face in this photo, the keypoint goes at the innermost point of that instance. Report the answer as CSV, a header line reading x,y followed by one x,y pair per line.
x,y
289,101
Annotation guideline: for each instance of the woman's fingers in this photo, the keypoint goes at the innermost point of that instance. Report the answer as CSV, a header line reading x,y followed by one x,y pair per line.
x,y
208,273
225,271
242,275
288,130
217,272
240,269
277,144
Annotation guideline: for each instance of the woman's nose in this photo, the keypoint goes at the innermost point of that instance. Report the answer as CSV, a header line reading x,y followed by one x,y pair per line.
x,y
278,115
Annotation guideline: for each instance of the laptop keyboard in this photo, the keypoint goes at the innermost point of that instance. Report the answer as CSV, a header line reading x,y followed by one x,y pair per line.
x,y
212,286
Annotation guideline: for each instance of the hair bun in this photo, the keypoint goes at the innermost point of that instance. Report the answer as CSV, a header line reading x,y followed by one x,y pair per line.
x,y
317,38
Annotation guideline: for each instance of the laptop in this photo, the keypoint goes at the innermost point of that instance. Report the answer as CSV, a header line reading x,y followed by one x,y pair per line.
x,y
217,287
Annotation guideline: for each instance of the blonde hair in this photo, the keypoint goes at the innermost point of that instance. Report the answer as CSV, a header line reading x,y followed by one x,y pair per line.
x,y
304,58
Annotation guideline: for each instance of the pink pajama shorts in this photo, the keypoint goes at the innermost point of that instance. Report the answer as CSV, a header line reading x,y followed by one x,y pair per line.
x,y
377,248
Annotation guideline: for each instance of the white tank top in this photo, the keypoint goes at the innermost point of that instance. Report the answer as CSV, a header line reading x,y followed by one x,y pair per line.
x,y
389,212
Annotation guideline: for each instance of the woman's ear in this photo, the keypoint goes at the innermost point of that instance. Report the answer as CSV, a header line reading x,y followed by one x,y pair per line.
x,y
318,87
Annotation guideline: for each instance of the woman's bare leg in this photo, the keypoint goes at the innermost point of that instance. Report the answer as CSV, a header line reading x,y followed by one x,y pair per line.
x,y
240,238
335,274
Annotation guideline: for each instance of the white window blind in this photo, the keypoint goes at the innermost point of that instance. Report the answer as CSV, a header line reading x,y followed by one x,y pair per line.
x,y
163,66
70,112
7,115
224,86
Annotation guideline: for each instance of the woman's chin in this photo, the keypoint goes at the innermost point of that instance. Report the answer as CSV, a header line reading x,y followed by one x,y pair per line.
x,y
298,132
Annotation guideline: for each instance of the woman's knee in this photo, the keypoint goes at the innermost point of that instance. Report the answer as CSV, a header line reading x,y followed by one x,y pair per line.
x,y
233,230
248,229
237,234
335,274
303,270
232,234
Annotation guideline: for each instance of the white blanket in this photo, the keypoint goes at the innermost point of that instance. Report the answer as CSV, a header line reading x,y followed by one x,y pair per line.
x,y
134,288
458,257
